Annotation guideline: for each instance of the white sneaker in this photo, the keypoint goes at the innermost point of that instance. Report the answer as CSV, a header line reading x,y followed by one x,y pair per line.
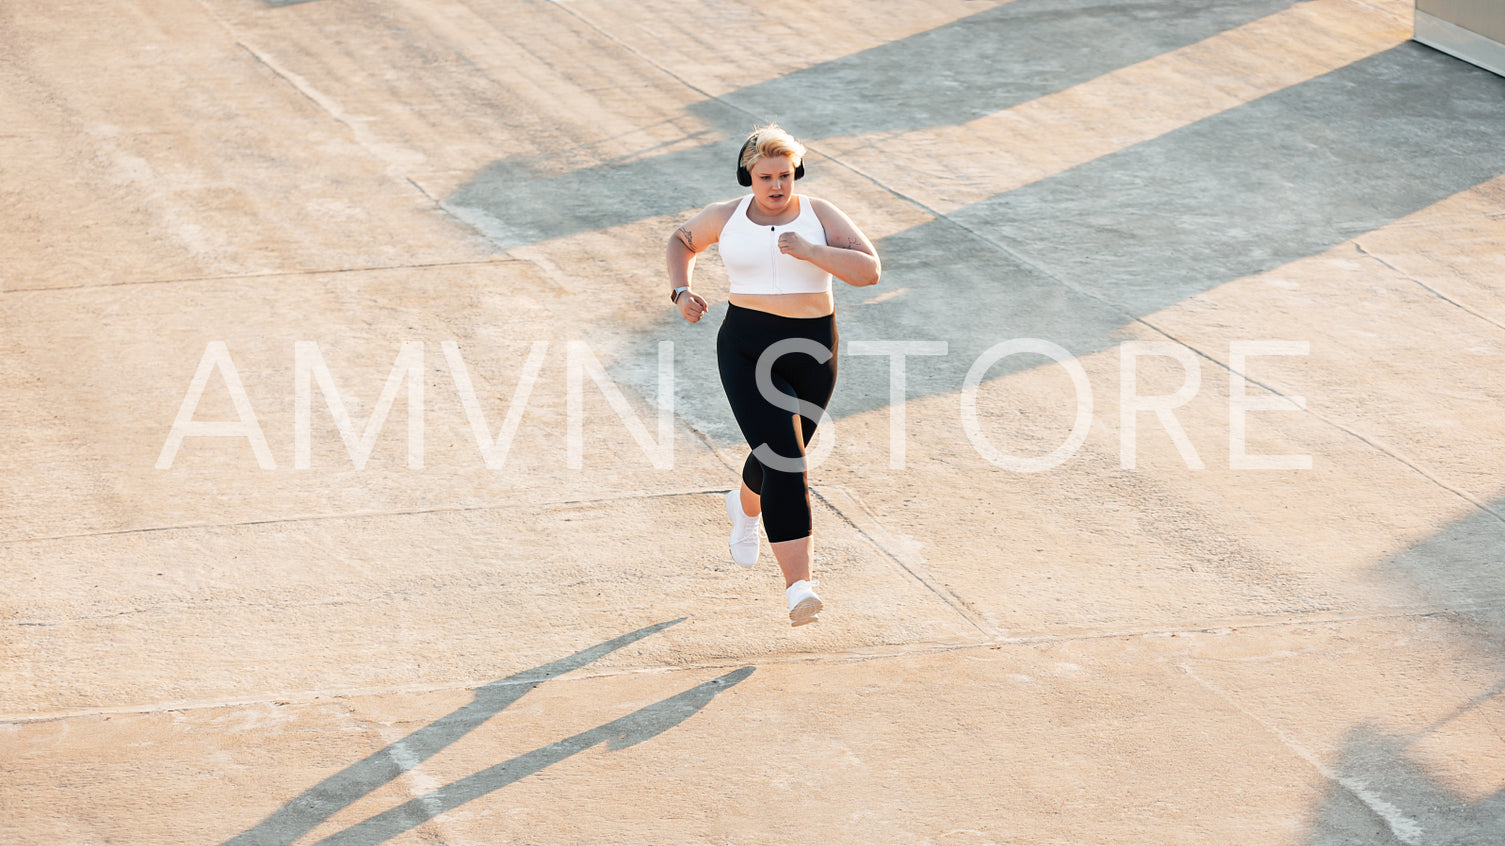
x,y
804,605
746,534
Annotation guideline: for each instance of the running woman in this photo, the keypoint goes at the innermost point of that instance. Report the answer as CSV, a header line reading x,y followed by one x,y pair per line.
x,y
780,250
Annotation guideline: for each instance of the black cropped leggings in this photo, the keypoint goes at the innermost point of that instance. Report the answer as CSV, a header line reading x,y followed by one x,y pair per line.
x,y
800,373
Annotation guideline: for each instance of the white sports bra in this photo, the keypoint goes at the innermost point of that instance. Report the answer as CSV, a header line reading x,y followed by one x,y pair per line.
x,y
753,262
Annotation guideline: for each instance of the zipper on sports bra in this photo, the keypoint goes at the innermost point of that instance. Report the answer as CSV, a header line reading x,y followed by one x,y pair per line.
x,y
773,259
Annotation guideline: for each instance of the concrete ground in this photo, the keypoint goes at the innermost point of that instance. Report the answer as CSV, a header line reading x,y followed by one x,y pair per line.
x,y
488,600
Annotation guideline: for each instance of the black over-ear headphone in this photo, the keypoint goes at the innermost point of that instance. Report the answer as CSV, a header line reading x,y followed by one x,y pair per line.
x,y
744,176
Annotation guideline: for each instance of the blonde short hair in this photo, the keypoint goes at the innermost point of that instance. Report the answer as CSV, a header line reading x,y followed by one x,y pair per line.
x,y
771,140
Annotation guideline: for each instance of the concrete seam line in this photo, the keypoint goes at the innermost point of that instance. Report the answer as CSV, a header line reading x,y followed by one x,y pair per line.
x,y
1197,627
272,274
1416,467
340,696
363,136
1385,10
1402,827
645,58
1370,442
1236,623
946,595
360,515
325,104
1428,288
850,656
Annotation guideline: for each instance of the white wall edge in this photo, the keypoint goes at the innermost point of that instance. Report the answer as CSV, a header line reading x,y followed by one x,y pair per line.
x,y
1454,40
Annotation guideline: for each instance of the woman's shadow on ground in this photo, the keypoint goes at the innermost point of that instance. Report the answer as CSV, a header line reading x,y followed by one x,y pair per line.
x,y
322,801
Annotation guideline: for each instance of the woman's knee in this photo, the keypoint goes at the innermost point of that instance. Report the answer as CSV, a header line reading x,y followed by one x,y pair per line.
x,y
752,475
786,505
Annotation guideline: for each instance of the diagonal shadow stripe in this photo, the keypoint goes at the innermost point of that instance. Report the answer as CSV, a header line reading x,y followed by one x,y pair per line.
x,y
1074,257
949,75
988,62
630,730
1286,176
322,801
1279,179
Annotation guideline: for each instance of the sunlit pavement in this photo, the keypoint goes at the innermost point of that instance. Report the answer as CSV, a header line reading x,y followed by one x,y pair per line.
x,y
354,496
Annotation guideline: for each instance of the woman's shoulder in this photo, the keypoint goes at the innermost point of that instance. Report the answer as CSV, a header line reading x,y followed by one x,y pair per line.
x,y
720,211
825,210
840,230
706,225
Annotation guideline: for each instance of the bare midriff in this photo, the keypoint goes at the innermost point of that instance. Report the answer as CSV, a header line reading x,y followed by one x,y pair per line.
x,y
815,304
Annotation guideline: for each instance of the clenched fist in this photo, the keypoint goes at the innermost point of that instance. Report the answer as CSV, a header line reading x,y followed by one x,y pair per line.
x,y
691,306
793,244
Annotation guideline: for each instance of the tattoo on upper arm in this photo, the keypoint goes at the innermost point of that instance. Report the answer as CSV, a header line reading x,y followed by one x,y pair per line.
x,y
686,238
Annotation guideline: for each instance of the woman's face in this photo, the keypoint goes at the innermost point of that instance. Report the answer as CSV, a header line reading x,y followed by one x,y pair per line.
x,y
772,182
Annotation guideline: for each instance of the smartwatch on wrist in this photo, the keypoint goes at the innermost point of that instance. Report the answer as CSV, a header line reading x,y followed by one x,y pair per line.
x,y
674,297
